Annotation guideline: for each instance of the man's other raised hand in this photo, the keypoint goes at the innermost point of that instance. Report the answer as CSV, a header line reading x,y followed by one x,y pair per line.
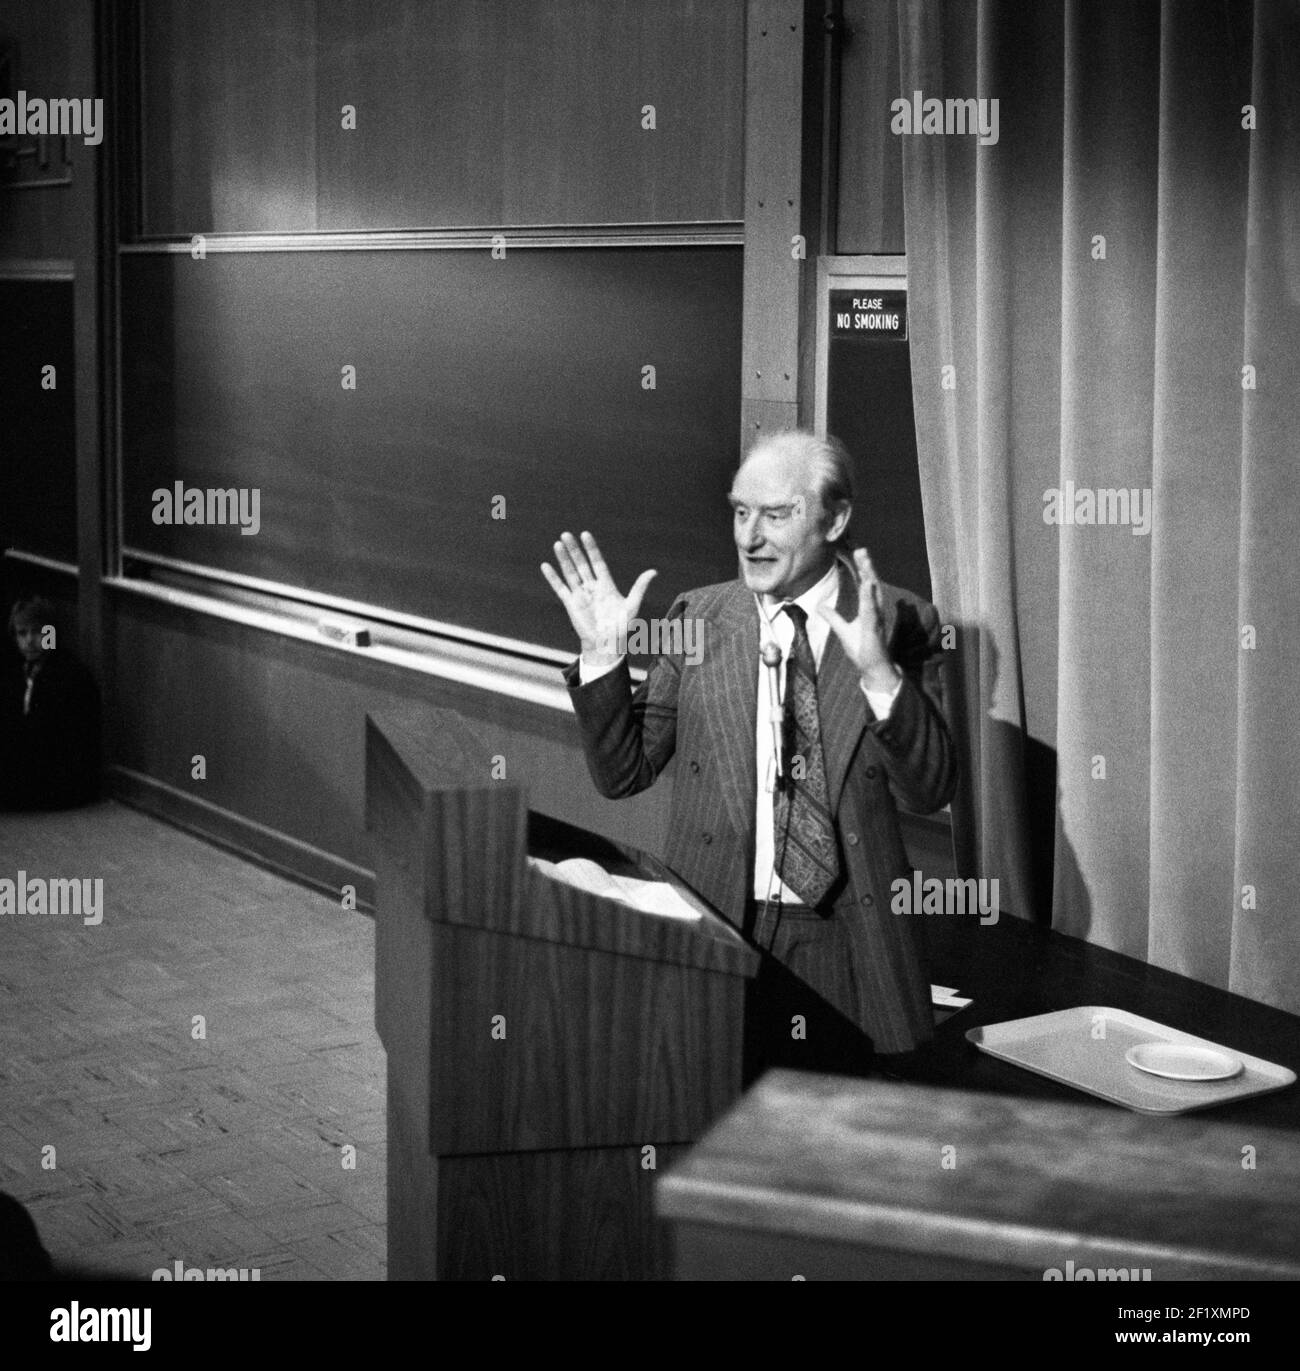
x,y
599,614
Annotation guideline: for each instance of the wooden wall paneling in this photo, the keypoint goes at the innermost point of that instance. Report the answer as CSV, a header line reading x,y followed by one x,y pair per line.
x,y
93,248
466,114
272,847
229,116
38,471
51,50
870,199
116,206
300,773
48,47
578,77
429,81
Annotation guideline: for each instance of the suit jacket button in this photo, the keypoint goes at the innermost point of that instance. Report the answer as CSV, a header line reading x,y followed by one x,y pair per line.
x,y
707,838
868,900
871,773
695,768
851,839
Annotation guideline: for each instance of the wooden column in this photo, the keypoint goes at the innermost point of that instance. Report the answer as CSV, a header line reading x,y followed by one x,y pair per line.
x,y
785,222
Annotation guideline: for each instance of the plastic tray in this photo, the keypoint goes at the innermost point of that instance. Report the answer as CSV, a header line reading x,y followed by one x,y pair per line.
x,y
1085,1048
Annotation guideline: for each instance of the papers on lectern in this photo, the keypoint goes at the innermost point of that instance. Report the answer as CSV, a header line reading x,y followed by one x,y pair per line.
x,y
650,897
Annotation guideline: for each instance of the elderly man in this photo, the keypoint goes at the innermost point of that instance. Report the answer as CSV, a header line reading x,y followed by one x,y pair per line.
x,y
812,712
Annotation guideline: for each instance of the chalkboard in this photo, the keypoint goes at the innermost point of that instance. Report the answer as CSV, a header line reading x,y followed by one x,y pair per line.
x,y
496,403
869,407
38,456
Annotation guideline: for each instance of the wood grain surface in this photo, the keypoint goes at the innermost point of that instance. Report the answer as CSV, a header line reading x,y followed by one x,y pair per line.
x,y
1031,1185
539,1039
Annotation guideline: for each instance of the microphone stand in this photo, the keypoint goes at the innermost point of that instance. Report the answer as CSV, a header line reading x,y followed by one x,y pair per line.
x,y
770,653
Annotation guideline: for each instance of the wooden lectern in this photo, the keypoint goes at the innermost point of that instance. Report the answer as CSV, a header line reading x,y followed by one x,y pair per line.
x,y
549,1050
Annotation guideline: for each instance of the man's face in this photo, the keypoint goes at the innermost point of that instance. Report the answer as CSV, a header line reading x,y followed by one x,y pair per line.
x,y
28,639
783,544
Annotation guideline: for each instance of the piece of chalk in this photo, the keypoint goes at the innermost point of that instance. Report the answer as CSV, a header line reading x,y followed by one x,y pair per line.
x,y
347,631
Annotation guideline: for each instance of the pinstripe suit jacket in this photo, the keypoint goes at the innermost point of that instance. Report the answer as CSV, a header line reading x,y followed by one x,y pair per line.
x,y
706,713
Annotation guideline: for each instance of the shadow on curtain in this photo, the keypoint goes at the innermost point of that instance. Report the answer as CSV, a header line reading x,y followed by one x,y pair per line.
x,y
1106,375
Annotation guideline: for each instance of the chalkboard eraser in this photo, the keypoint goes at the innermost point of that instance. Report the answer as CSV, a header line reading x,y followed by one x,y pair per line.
x,y
348,631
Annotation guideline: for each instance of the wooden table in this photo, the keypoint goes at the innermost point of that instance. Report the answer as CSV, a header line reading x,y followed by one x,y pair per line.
x,y
834,1178
1013,969
828,1177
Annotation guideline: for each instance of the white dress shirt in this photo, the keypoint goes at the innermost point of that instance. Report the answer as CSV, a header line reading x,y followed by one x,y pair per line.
x,y
777,626
31,668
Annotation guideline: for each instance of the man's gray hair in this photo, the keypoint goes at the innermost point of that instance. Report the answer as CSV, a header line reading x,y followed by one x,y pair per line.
x,y
833,480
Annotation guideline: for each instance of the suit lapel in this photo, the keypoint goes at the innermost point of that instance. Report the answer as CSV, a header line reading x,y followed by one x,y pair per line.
x,y
729,689
840,701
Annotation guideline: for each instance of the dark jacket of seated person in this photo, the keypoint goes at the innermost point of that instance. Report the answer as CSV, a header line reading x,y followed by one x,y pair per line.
x,y
49,717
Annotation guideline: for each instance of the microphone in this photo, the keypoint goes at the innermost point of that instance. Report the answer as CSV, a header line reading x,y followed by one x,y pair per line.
x,y
770,653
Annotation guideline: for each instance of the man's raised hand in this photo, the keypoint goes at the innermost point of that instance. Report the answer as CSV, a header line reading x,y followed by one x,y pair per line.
x,y
599,614
863,637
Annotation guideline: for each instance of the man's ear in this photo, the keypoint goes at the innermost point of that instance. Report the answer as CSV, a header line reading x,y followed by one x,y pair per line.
x,y
839,521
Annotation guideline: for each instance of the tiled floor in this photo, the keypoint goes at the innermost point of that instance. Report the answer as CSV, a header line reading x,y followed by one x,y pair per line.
x,y
226,1150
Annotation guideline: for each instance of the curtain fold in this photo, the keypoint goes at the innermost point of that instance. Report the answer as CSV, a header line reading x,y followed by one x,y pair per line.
x,y
1108,488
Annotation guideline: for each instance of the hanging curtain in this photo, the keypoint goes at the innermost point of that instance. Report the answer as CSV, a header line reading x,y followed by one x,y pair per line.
x,y
1104,300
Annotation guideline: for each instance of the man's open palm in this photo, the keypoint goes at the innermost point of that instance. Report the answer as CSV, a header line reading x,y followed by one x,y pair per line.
x,y
863,636
599,614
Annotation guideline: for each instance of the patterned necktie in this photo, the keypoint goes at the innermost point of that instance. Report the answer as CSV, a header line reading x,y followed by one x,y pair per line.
x,y
806,852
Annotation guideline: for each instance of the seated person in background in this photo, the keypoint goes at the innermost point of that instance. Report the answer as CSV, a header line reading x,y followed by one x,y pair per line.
x,y
49,716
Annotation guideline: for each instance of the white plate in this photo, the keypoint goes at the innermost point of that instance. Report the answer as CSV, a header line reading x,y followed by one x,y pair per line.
x,y
1183,1062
